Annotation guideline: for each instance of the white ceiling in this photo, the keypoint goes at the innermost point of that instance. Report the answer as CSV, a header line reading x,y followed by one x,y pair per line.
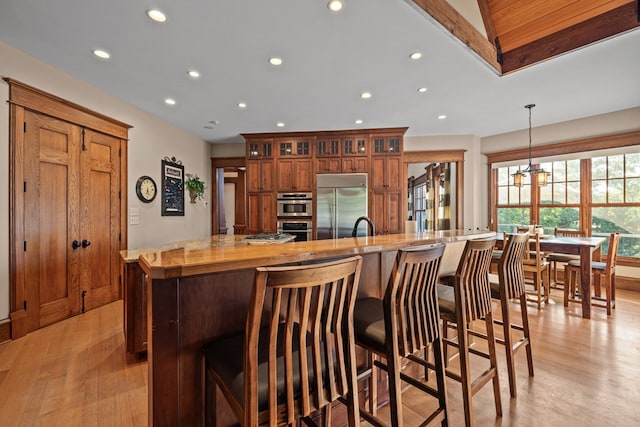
x,y
329,59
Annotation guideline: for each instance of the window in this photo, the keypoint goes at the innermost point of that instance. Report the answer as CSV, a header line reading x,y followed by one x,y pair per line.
x,y
602,190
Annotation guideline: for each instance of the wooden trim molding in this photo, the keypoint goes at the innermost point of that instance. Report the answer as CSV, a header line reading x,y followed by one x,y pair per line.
x,y
444,14
223,162
326,133
5,330
576,146
43,102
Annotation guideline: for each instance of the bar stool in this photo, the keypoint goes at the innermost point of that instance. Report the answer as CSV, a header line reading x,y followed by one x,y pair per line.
x,y
402,324
302,359
556,258
534,262
469,299
601,271
509,285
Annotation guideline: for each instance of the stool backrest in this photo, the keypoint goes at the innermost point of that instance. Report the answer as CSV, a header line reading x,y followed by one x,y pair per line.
x,y
411,301
510,267
310,326
472,277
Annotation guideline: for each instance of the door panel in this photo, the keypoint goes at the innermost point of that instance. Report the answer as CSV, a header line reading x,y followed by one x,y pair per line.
x,y
100,219
51,219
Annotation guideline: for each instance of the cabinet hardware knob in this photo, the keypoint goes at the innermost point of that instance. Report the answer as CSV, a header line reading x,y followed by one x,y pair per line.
x,y
75,244
85,243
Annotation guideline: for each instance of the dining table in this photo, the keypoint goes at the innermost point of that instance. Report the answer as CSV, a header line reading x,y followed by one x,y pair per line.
x,y
586,248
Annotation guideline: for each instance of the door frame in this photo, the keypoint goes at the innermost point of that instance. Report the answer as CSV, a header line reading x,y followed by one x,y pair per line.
x,y
23,97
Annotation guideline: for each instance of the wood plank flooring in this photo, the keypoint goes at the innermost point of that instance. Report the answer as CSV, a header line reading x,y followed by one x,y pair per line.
x,y
587,373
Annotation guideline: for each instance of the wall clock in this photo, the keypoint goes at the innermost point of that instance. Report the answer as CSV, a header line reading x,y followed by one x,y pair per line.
x,y
146,189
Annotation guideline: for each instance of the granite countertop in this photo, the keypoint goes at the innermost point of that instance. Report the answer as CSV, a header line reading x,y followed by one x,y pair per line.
x,y
215,241
227,253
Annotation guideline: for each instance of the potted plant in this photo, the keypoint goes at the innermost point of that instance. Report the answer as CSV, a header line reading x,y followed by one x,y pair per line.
x,y
195,187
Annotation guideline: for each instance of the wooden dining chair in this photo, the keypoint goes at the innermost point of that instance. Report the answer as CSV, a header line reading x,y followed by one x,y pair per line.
x,y
468,300
297,361
602,272
536,265
559,258
506,286
400,326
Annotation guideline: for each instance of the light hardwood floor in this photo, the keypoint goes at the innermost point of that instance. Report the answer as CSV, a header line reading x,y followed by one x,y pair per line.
x,y
587,373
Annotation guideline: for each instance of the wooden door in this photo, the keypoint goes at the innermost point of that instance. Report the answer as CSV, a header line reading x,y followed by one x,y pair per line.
x,y
51,220
100,218
71,219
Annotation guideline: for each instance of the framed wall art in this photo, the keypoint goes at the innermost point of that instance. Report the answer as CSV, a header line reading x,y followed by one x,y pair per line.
x,y
172,187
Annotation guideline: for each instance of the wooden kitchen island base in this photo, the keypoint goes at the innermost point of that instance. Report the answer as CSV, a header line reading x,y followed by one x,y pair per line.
x,y
197,295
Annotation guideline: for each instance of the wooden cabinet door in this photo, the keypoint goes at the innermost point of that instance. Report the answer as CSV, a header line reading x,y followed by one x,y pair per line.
x,y
355,164
262,212
100,218
392,172
260,175
51,220
386,211
328,165
378,175
294,175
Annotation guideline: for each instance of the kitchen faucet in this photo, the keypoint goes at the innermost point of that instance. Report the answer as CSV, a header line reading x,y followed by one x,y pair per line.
x,y
372,231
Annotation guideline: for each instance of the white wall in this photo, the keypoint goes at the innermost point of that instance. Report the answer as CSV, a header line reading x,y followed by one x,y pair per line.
x,y
150,140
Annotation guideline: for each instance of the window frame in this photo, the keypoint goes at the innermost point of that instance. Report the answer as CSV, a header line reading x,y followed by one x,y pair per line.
x,y
627,139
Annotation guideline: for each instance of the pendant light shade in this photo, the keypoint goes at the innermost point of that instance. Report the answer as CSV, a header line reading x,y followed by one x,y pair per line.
x,y
541,174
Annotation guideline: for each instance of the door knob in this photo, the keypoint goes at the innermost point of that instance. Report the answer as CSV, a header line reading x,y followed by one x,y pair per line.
x,y
75,244
85,243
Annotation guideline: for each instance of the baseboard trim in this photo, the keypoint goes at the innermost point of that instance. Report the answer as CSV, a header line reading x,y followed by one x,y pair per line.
x,y
628,283
5,330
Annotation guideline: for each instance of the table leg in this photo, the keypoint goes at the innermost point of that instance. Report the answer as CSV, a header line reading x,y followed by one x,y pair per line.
x,y
585,281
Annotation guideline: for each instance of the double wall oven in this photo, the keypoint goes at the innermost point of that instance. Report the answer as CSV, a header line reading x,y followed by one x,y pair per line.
x,y
295,212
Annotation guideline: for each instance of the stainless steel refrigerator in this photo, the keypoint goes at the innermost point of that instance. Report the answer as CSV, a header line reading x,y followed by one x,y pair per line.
x,y
341,199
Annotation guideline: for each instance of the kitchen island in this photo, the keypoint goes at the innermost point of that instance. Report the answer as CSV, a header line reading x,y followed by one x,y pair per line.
x,y
202,292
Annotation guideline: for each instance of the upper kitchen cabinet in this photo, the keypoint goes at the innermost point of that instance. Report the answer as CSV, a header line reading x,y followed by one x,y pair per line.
x,y
355,154
328,155
387,144
260,165
294,168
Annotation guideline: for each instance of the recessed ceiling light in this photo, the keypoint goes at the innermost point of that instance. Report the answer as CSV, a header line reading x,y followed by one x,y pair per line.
x,y
242,105
214,122
103,54
170,101
442,116
358,121
157,15
335,5
422,89
194,74
280,124
275,61
415,55
365,95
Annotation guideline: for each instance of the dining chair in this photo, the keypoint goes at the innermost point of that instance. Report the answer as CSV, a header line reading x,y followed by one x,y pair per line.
x,y
300,358
602,272
402,325
506,286
468,300
536,265
559,258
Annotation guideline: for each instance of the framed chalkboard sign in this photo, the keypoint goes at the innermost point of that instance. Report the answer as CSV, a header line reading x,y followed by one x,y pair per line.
x,y
172,187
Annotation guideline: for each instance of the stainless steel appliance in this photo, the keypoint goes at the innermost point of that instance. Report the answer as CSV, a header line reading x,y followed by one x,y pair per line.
x,y
294,205
300,228
341,200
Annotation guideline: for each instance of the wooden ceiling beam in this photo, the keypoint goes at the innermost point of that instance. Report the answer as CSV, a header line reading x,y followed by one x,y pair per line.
x,y
616,21
444,14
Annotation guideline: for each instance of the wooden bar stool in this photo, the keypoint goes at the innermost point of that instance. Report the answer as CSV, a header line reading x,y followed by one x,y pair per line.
x,y
402,324
558,258
302,359
506,286
602,272
468,300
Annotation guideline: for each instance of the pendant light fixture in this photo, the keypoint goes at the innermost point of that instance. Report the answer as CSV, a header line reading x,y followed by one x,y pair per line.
x,y
542,175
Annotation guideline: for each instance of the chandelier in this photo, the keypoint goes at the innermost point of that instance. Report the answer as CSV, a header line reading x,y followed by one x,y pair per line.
x,y
542,175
